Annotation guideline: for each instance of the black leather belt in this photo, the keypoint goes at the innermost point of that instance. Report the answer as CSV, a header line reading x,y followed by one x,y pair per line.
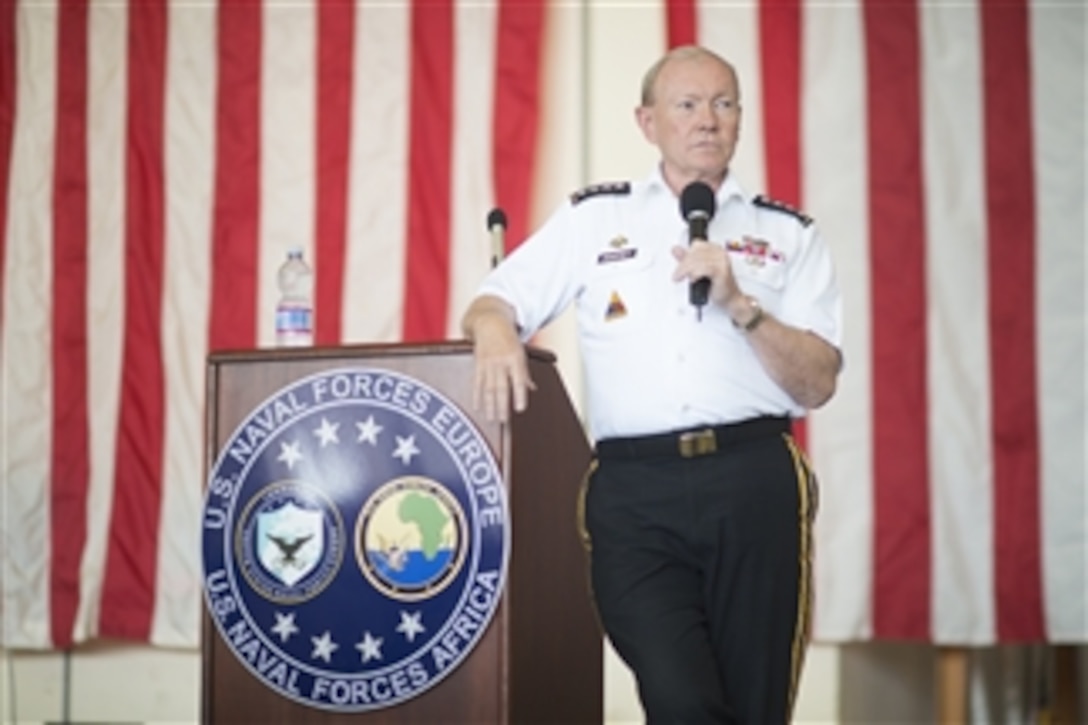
x,y
693,442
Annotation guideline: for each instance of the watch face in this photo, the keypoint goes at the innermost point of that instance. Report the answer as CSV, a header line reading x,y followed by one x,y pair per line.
x,y
757,314
754,317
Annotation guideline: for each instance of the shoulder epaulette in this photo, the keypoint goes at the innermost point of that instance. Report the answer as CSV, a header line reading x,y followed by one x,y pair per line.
x,y
768,203
608,188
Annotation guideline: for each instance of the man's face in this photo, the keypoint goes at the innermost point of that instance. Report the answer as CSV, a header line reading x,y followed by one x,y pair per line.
x,y
694,119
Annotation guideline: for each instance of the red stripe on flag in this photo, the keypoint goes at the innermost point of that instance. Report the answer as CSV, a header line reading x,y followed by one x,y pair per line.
x,y
1010,208
335,52
129,587
70,457
7,126
680,22
516,111
426,298
235,217
901,456
780,61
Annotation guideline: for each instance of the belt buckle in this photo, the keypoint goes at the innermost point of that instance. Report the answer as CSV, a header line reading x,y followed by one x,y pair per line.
x,y
697,443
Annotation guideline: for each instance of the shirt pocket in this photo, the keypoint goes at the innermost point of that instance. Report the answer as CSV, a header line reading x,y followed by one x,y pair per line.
x,y
618,292
758,275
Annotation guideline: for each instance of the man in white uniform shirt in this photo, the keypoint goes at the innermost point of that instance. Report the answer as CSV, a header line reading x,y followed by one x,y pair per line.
x,y
699,507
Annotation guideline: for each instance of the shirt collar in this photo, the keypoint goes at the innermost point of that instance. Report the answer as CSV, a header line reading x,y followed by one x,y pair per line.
x,y
730,188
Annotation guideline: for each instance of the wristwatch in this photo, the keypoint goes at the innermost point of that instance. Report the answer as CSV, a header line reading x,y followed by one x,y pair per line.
x,y
756,317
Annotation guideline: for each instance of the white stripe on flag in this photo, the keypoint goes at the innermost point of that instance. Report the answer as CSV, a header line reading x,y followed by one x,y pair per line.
x,y
106,93
959,411
471,186
287,132
190,164
378,175
1060,99
27,334
834,186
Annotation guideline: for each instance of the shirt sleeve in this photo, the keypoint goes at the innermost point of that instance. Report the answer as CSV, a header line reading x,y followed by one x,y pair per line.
x,y
540,277
812,300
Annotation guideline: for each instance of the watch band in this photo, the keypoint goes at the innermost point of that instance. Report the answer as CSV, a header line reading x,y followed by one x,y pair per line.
x,y
755,319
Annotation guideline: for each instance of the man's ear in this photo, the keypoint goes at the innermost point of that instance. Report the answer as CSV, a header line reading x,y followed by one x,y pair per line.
x,y
644,117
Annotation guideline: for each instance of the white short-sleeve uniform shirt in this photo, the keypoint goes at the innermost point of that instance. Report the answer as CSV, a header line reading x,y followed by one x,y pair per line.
x,y
651,364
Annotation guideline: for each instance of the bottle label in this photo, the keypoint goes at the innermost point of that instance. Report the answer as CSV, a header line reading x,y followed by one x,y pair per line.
x,y
294,319
294,326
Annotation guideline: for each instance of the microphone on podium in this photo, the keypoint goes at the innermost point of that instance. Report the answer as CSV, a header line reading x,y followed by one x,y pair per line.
x,y
496,225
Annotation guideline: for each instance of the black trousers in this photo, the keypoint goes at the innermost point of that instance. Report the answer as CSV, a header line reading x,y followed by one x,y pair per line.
x,y
701,570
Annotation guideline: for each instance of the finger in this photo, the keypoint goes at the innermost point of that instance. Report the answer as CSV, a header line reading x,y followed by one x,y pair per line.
x,y
478,385
500,400
521,396
682,261
484,394
490,407
519,380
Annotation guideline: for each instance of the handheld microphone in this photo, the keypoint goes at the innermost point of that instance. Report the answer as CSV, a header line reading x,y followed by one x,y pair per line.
x,y
496,225
697,206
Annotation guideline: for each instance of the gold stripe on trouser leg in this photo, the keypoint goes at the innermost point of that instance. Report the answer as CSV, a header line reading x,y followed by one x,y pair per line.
x,y
583,490
583,534
806,513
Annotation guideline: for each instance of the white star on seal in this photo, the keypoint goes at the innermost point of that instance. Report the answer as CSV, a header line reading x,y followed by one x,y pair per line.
x,y
285,626
324,647
327,432
410,625
406,448
290,454
368,431
370,647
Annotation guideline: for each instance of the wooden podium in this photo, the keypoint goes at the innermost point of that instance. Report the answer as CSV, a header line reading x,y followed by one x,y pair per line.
x,y
540,659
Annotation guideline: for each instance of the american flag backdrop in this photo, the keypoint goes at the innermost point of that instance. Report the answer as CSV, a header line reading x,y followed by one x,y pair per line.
x,y
941,148
158,158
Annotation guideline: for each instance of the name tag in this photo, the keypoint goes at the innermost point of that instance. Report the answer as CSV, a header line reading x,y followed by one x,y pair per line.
x,y
616,255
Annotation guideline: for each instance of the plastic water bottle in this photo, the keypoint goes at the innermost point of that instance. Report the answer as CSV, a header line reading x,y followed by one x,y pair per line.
x,y
295,309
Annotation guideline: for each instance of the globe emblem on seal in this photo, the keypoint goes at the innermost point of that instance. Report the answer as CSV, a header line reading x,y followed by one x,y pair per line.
x,y
355,539
409,539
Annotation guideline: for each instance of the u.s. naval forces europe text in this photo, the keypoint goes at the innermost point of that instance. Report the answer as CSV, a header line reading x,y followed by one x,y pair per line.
x,y
355,539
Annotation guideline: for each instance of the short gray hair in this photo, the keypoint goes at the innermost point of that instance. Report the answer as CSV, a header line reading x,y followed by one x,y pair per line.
x,y
682,52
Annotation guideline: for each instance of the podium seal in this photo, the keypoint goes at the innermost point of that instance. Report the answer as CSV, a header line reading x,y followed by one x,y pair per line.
x,y
355,539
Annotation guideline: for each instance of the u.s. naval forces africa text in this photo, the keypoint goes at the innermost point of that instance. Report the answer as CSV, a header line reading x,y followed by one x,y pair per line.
x,y
355,539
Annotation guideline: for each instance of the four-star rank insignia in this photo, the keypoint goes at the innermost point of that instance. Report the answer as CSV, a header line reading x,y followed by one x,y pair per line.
x,y
775,205
608,188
